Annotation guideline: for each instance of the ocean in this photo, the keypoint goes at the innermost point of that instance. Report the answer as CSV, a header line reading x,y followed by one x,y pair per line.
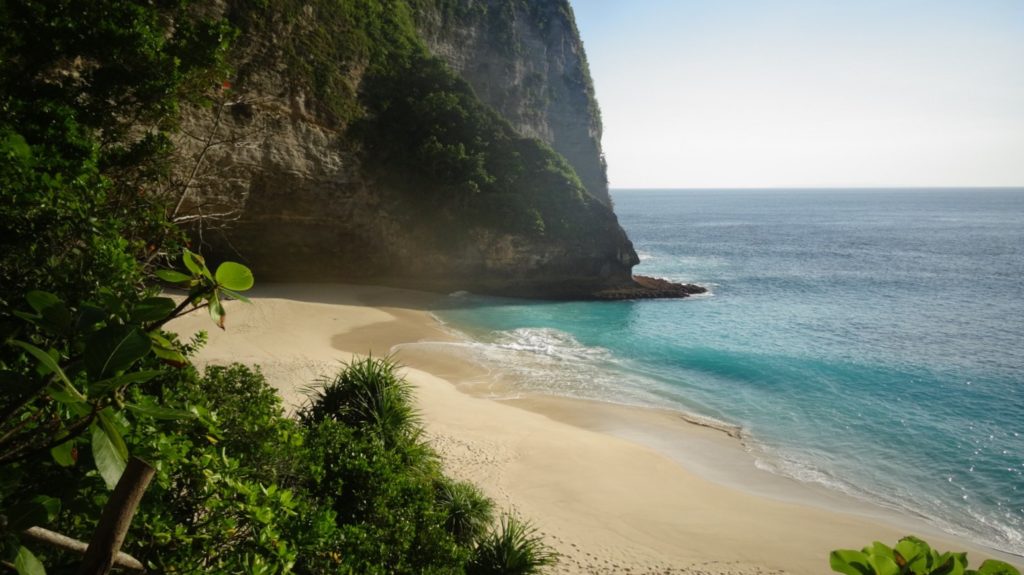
x,y
868,341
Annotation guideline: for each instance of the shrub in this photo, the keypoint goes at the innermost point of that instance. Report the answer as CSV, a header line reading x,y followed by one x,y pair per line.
x,y
910,556
467,511
512,548
366,394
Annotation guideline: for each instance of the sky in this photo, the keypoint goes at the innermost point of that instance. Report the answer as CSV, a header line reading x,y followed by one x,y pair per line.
x,y
808,93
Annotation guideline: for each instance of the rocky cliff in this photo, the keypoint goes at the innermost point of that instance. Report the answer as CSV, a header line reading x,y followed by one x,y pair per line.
x,y
526,60
435,144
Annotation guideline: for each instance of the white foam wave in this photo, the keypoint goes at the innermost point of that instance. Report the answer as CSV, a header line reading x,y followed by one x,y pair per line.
x,y
995,533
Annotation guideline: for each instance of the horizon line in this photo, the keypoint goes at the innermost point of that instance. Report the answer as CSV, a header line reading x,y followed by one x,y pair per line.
x,y
768,188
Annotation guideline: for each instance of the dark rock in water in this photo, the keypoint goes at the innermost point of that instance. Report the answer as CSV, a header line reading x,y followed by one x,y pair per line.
x,y
645,287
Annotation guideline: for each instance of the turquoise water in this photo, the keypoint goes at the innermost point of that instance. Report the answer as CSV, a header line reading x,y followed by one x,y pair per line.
x,y
870,341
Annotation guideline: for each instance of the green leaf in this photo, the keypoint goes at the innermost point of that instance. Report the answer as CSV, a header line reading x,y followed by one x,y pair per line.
x,y
27,564
16,145
64,454
109,460
216,311
994,567
235,295
152,309
88,317
113,349
70,397
915,553
883,565
110,426
171,356
234,276
173,276
41,300
39,511
105,386
196,264
850,562
53,316
158,412
45,359
950,564
167,351
192,262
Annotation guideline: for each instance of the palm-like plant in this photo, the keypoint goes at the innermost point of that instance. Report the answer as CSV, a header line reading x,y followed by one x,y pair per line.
x,y
467,511
513,548
366,394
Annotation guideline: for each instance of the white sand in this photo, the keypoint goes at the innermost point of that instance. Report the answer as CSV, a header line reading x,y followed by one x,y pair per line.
x,y
610,487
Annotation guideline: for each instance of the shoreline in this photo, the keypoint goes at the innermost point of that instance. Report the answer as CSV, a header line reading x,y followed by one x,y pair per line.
x,y
612,487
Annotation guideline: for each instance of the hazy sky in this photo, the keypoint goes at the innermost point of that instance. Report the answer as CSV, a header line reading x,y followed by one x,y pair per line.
x,y
776,93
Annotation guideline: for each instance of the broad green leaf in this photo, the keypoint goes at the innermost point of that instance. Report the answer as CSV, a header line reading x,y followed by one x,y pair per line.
x,y
217,311
234,276
41,300
110,426
916,554
88,317
109,461
173,276
171,356
40,511
993,567
192,262
50,504
883,564
849,562
70,397
879,548
157,412
27,564
54,315
114,348
960,563
45,359
196,264
64,454
950,564
16,145
152,309
235,295
105,386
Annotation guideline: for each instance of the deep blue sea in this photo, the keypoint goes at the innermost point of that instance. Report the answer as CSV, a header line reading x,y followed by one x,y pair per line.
x,y
871,341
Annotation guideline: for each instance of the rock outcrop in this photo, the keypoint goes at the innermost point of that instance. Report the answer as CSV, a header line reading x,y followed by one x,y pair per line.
x,y
289,174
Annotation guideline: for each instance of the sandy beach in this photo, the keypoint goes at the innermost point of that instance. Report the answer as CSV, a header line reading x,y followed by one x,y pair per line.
x,y
614,489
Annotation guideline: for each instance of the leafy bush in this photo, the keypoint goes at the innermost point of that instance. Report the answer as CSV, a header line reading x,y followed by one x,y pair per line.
x,y
368,395
385,500
910,556
468,512
513,548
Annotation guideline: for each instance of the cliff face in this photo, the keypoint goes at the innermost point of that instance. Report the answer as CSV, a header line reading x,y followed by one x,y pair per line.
x,y
526,60
344,151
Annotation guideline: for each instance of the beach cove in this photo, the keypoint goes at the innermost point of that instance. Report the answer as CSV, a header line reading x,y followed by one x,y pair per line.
x,y
588,474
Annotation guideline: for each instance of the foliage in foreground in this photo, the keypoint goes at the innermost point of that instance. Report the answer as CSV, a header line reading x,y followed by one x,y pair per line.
x,y
513,547
241,488
910,556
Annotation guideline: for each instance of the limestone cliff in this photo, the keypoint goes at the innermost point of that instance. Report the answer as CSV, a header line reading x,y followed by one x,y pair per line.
x,y
526,60
344,150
